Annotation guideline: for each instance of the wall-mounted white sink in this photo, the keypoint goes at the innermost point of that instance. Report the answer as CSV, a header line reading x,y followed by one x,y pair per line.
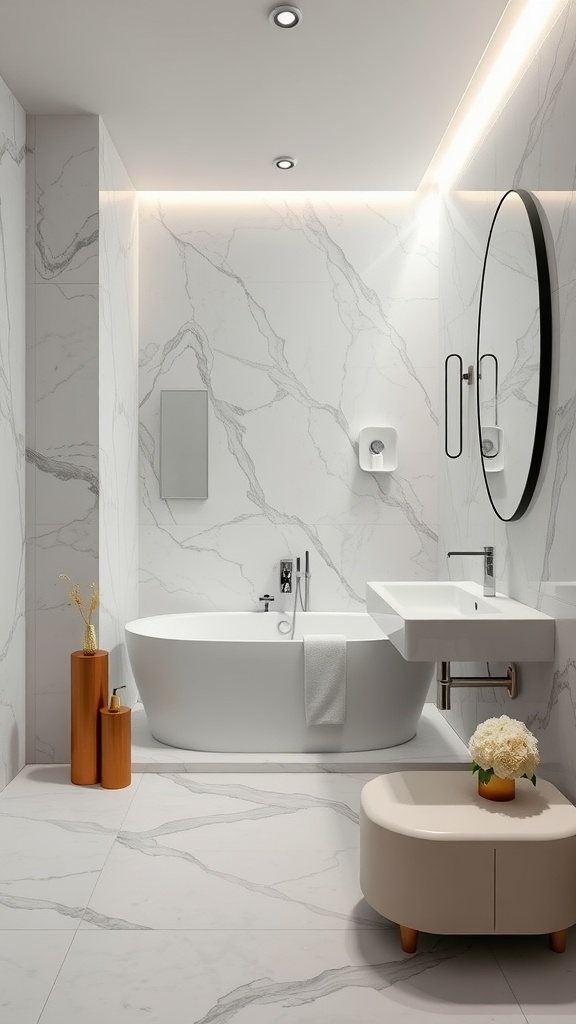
x,y
455,622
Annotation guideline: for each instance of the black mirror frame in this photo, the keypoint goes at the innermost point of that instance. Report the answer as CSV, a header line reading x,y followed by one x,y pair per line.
x,y
545,375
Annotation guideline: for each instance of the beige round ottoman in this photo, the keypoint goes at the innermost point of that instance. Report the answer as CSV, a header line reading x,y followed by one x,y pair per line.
x,y
437,857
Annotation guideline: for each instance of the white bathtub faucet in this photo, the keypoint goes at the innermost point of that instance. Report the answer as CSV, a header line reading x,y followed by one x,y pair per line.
x,y
266,598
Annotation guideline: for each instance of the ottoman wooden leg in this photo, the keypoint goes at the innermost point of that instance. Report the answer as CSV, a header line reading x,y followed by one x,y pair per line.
x,y
557,940
409,939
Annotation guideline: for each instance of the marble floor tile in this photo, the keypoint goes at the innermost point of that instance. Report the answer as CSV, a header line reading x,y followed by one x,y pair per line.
x,y
36,796
276,977
247,812
42,780
543,982
230,899
48,870
159,884
29,965
55,841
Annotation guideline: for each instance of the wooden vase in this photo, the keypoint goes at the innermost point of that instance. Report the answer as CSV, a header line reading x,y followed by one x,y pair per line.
x,y
497,788
88,693
116,745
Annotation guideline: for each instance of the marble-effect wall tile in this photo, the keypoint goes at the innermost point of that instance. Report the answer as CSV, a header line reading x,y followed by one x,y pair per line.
x,y
66,225
227,568
535,557
304,321
65,366
82,410
12,429
62,411
118,410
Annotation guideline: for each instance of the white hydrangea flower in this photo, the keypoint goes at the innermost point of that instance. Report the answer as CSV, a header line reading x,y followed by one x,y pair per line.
x,y
506,746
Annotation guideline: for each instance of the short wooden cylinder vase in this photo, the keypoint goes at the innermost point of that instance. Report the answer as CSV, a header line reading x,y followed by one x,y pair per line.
x,y
88,693
497,788
116,741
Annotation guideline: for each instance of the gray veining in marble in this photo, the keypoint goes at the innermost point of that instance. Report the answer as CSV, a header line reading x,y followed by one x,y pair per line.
x,y
149,848
62,408
284,803
546,113
75,913
291,316
63,470
374,976
64,959
82,409
528,147
51,265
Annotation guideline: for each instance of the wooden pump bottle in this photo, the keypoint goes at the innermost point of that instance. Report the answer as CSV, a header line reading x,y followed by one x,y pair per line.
x,y
116,741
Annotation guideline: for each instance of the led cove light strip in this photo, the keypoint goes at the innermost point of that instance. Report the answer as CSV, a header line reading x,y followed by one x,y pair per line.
x,y
272,196
520,47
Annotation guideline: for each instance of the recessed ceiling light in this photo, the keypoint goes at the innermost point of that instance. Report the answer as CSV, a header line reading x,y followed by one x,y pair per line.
x,y
285,163
285,16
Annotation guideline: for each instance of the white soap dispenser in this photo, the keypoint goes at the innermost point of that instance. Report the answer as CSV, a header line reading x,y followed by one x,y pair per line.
x,y
378,449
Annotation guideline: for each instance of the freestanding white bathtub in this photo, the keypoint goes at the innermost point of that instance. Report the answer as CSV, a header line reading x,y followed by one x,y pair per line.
x,y
234,681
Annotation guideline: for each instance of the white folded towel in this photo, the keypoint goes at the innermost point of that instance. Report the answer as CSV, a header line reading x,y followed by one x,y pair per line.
x,y
325,679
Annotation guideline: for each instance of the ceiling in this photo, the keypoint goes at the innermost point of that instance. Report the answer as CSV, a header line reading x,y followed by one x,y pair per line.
x,y
204,94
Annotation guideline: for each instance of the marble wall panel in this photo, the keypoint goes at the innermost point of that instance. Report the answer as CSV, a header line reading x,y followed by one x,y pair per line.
x,y
305,320
535,557
532,143
65,364
118,410
62,411
82,410
227,568
12,428
66,226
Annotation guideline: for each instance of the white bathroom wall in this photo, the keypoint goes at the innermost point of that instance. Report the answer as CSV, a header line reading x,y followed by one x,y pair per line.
x,y
305,319
118,410
81,409
12,427
532,146
62,411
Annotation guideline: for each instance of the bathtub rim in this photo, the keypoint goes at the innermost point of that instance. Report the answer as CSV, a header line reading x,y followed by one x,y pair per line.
x,y
278,615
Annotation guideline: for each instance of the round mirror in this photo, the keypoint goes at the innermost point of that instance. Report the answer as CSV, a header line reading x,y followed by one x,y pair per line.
x,y
514,354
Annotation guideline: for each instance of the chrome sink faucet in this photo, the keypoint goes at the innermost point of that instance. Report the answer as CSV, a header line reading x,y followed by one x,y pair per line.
x,y
488,556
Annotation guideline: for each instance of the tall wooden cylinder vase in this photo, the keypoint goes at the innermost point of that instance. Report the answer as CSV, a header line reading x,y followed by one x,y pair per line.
x,y
89,693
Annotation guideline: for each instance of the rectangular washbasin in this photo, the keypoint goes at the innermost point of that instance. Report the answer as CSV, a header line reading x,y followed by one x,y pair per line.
x,y
428,621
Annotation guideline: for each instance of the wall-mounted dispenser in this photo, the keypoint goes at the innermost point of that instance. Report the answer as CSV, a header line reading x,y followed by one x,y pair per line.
x,y
493,449
378,449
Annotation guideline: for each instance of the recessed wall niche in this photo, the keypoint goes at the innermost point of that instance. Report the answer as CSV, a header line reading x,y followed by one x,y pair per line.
x,y
184,444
